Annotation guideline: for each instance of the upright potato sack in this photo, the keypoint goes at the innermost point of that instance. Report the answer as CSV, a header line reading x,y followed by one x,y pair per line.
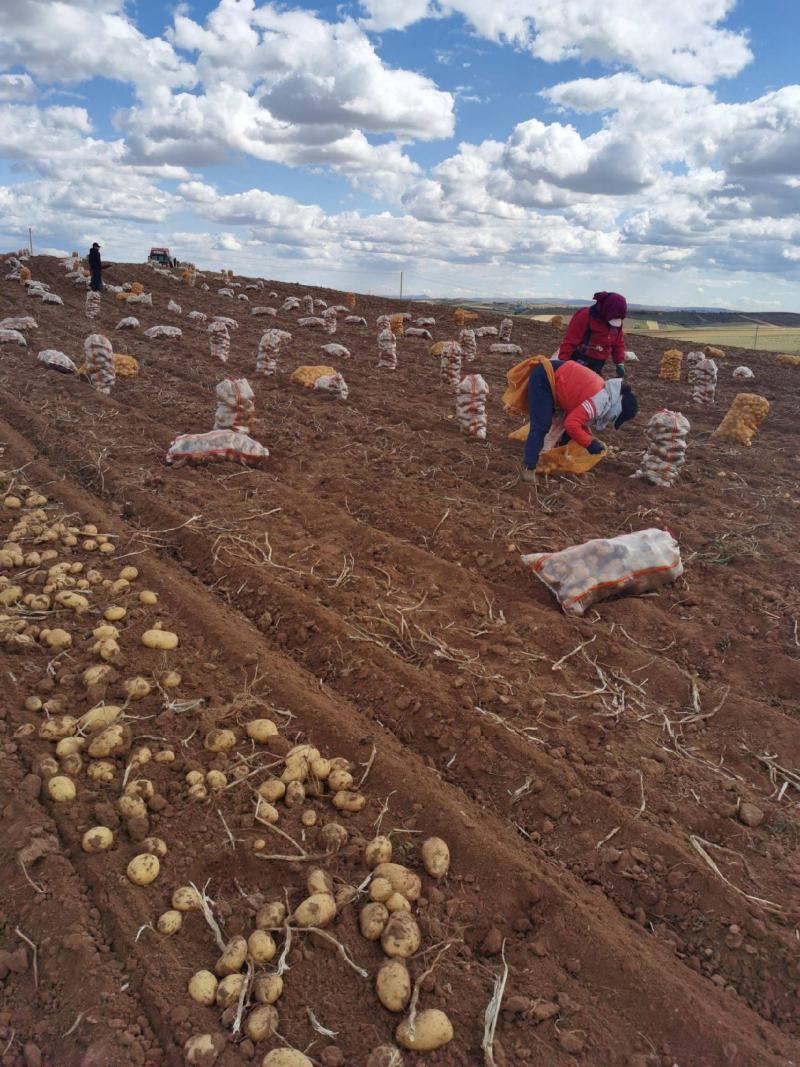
x,y
746,414
704,381
235,405
92,307
329,319
219,341
269,348
396,323
667,433
585,574
505,330
387,349
471,406
99,359
670,369
468,344
450,363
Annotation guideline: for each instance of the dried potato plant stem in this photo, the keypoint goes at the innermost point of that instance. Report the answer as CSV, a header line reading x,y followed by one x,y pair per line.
x,y
244,997
411,1022
699,845
208,915
35,951
493,1010
340,947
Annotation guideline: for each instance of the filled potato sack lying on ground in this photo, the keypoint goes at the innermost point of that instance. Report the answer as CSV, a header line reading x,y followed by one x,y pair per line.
x,y
713,353
746,414
163,331
263,311
742,374
13,337
217,446
355,320
52,298
503,349
788,360
125,366
55,360
128,323
585,574
19,322
336,351
486,331
323,378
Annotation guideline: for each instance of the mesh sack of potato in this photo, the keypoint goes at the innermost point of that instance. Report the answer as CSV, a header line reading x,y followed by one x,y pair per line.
x,y
570,458
355,320
397,324
387,349
332,383
163,331
137,288
185,277
459,317
145,299
13,337
788,360
51,298
329,321
55,360
469,346
742,374
418,331
235,405
226,321
704,384
311,322
667,435
746,413
450,363
557,321
350,300
308,304
224,291
269,348
631,357
670,369
307,375
584,574
99,362
125,366
128,323
505,329
259,310
336,351
471,406
92,306
197,316
216,446
19,322
24,274
713,353
692,360
174,307
486,331
504,349
291,303
219,341
435,349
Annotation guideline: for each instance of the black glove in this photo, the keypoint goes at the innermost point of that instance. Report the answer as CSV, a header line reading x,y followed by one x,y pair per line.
x,y
620,370
595,448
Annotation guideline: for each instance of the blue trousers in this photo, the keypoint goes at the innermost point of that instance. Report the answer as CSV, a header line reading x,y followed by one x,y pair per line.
x,y
596,365
541,409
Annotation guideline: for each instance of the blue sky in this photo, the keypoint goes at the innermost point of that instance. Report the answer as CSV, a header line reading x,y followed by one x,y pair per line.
x,y
506,147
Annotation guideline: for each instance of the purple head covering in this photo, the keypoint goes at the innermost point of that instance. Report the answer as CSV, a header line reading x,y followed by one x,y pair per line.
x,y
610,306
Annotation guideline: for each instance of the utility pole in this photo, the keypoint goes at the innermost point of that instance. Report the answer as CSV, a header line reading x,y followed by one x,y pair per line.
x,y
755,339
30,239
401,285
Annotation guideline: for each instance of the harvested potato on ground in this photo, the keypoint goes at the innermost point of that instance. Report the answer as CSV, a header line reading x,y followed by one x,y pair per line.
x,y
385,1056
195,777
56,638
202,1050
401,937
129,574
320,769
137,688
198,792
143,869
114,613
286,1057
309,818
169,922
266,812
219,740
171,679
156,846
378,850
271,790
296,770
229,989
339,780
61,789
131,806
67,746
267,988
261,1023
271,916
436,857
431,1029
163,640
98,839
319,881
147,596
232,959
345,800
401,879
295,795
58,727
101,770
393,985
261,730
261,947
319,909
185,898
216,780
203,987
99,718
372,920
107,548
115,740
333,836
345,895
72,764
166,755
397,902
380,889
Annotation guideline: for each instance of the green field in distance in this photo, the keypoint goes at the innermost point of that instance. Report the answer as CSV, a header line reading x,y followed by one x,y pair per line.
x,y
760,338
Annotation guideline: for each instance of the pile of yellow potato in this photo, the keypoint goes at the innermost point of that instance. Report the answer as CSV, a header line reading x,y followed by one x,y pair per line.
x,y
787,360
746,414
670,369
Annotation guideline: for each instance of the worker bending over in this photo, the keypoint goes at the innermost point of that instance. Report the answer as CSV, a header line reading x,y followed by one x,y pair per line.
x,y
585,399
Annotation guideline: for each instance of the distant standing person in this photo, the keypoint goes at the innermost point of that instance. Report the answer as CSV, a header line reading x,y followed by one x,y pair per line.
x,y
95,268
595,333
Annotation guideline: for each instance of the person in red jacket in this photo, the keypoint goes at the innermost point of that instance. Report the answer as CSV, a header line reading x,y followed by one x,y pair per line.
x,y
595,333
584,398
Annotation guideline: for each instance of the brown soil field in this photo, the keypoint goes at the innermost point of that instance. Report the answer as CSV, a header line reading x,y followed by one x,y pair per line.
x,y
619,792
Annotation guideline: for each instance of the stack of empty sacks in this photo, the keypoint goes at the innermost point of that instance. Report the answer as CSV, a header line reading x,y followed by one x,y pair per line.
x,y
230,440
666,433
471,406
702,376
269,348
